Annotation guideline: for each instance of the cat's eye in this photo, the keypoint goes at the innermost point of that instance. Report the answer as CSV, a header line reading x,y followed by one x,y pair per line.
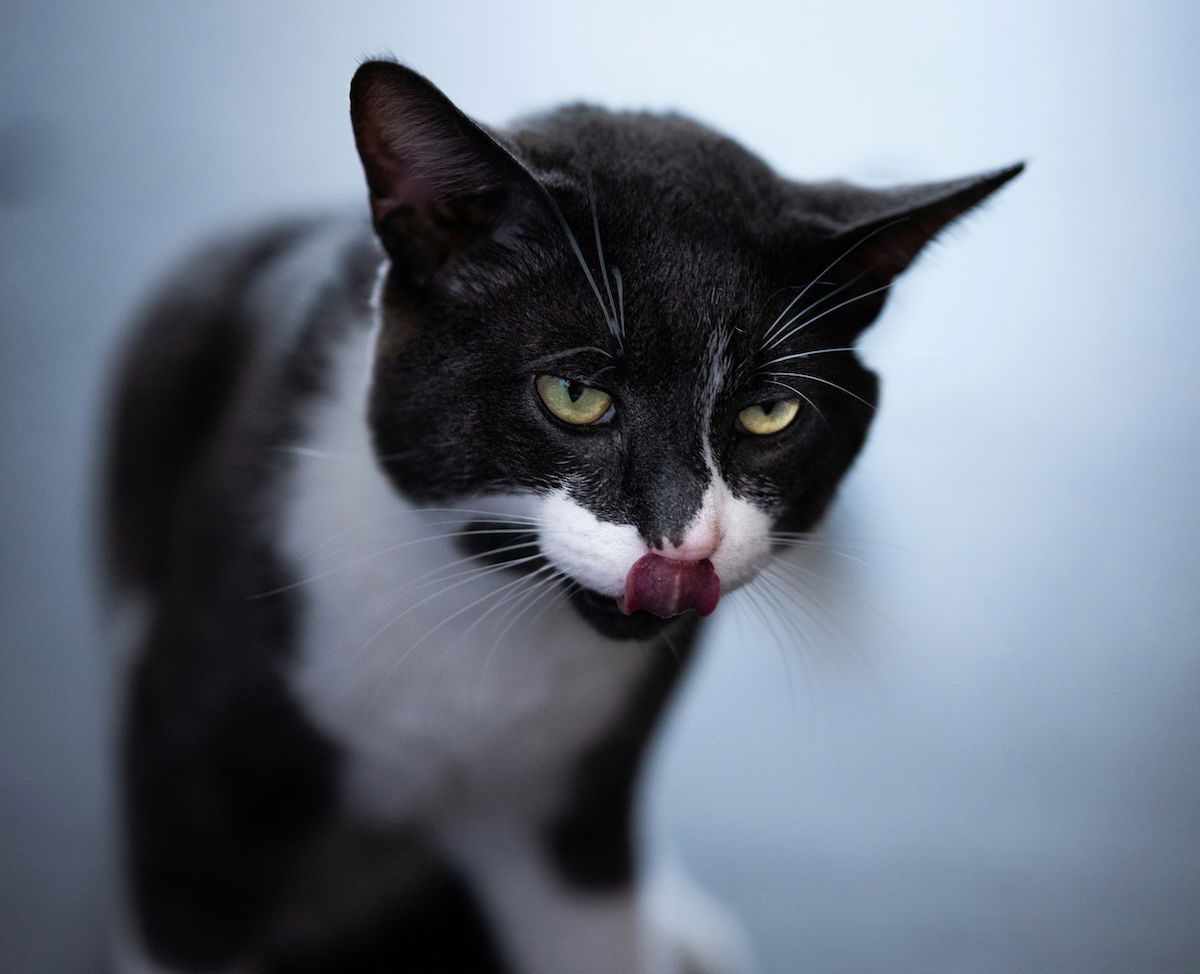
x,y
572,401
768,417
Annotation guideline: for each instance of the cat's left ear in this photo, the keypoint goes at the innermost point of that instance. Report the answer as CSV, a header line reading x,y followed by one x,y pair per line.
x,y
883,230
439,184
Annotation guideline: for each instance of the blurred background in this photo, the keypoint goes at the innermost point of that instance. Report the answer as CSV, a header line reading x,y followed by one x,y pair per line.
x,y
976,746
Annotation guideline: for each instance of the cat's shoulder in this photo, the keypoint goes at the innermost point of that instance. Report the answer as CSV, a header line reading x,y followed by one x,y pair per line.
x,y
218,356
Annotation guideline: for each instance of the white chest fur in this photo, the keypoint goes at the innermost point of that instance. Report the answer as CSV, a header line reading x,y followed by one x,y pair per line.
x,y
450,685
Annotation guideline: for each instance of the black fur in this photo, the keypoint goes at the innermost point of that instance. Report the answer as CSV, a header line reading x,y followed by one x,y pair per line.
x,y
592,840
229,788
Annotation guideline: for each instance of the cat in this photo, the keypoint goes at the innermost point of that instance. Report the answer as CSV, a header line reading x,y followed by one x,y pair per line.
x,y
412,523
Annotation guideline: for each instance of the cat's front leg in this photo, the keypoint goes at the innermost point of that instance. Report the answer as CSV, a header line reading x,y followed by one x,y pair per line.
x,y
224,783
546,924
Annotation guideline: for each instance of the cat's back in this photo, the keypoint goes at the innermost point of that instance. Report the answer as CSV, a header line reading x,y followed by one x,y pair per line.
x,y
209,367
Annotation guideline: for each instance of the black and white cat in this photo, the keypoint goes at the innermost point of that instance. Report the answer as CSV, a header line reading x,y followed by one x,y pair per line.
x,y
411,541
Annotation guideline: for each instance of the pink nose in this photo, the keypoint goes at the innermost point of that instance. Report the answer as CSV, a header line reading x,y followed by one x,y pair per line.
x,y
669,586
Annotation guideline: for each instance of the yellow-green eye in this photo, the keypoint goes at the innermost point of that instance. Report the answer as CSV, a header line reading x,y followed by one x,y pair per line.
x,y
572,401
768,417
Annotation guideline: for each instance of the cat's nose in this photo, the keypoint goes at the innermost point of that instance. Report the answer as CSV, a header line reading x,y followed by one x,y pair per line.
x,y
700,540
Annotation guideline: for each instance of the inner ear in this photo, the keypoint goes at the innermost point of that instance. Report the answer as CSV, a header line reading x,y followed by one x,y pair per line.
x,y
880,232
439,184
864,239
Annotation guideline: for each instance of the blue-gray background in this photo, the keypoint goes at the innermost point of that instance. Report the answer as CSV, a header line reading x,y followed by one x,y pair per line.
x,y
987,759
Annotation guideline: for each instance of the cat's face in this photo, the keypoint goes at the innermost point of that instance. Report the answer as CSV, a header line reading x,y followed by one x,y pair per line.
x,y
637,327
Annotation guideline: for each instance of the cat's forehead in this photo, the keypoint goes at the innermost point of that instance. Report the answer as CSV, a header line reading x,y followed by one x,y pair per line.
x,y
670,315
678,158
682,304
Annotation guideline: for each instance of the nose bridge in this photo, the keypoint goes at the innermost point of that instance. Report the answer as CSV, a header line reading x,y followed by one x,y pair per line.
x,y
667,480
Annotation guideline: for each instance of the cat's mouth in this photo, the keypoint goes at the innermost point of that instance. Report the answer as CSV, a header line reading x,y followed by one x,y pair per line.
x,y
658,590
607,617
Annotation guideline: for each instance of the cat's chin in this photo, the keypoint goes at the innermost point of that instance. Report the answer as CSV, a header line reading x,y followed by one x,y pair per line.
x,y
607,618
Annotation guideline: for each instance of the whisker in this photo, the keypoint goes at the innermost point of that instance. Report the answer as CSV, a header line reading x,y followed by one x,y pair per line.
x,y
671,646
810,354
785,600
620,296
819,538
538,363
587,271
543,587
774,382
537,585
528,578
525,579
600,251
828,311
773,613
526,600
565,592
802,544
800,583
600,372
788,307
842,634
836,261
436,577
795,595
305,451
812,305
489,517
491,594
817,378
375,554
471,576
523,529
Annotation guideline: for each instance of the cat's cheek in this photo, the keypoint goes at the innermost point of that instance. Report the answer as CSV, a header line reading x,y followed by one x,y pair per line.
x,y
595,553
745,544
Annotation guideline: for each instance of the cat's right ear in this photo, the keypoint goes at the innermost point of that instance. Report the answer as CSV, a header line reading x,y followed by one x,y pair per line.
x,y
439,184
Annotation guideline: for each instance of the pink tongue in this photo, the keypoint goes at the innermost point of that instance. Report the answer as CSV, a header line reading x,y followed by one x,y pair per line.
x,y
667,587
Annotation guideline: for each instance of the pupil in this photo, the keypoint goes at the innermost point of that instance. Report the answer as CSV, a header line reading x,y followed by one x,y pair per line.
x,y
769,407
575,390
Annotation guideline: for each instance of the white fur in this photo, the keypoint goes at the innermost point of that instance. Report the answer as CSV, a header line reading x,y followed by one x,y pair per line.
x,y
451,714
732,532
683,921
464,696
543,925
421,661
596,553
422,667
546,926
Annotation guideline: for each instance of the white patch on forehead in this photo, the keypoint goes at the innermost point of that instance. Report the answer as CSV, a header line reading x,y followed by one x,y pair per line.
x,y
714,377
731,531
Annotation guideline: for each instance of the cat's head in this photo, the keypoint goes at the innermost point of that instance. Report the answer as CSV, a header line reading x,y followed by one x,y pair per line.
x,y
630,320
